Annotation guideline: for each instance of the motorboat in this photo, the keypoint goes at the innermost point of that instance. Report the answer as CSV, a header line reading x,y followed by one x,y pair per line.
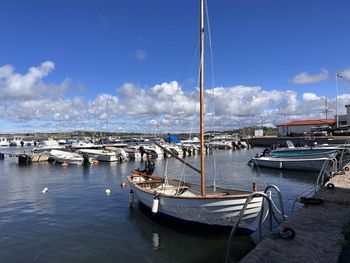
x,y
4,142
101,155
66,157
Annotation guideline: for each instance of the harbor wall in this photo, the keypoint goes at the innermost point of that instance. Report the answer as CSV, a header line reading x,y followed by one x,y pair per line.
x,y
320,230
268,141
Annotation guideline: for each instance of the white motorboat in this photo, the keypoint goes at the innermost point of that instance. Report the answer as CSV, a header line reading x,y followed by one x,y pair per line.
x,y
48,145
191,203
222,145
82,145
101,155
154,149
133,152
4,142
307,164
66,157
17,141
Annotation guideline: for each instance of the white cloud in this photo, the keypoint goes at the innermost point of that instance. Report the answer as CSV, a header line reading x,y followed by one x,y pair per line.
x,y
345,73
140,54
306,78
29,85
310,97
139,109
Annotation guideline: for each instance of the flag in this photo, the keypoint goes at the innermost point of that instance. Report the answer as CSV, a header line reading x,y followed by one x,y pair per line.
x,y
339,75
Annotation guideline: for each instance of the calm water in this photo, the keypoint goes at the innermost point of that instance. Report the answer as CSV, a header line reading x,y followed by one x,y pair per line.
x,y
76,222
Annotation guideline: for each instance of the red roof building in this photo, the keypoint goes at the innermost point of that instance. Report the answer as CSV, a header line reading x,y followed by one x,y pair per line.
x,y
302,127
308,122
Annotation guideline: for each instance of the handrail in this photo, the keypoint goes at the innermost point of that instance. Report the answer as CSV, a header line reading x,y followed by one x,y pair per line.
x,y
241,214
320,178
280,200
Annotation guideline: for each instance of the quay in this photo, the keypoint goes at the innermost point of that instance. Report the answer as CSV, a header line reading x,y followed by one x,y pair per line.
x,y
267,141
320,230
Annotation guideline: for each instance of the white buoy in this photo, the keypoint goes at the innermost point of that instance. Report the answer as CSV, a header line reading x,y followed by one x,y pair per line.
x,y
45,190
108,191
155,205
131,197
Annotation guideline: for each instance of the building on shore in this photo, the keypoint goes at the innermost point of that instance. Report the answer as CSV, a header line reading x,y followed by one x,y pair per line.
x,y
303,127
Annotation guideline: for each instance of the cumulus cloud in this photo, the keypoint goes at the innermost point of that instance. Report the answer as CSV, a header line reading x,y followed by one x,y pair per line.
x,y
310,96
344,73
139,109
306,78
16,86
140,54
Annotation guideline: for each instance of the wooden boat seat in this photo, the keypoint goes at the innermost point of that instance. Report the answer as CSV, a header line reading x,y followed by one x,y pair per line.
x,y
217,194
151,182
170,187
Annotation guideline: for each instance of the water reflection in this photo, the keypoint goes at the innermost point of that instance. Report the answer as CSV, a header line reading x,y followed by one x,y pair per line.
x,y
183,243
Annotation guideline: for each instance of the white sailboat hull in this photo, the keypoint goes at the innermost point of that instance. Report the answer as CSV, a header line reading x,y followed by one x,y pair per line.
x,y
212,210
315,164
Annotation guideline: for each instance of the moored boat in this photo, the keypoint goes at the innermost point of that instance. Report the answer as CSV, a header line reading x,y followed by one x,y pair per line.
x,y
66,157
191,203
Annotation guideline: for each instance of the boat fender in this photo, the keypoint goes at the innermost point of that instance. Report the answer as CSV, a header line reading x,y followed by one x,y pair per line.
x,y
287,233
107,191
45,190
155,204
131,197
330,186
311,201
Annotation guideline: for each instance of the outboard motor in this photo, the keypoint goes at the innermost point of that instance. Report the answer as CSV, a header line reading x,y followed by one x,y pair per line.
x,y
86,160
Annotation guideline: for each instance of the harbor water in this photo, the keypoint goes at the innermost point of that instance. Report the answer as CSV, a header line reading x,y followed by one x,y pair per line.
x,y
76,222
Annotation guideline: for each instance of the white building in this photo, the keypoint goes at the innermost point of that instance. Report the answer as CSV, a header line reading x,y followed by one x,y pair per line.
x,y
302,127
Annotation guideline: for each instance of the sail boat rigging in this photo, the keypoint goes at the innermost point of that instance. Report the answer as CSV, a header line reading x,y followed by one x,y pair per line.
x,y
192,203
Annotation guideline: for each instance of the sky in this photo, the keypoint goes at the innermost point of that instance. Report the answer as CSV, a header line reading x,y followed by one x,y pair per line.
x,y
132,65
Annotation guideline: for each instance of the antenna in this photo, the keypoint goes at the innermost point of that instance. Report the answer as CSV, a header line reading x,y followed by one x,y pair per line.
x,y
326,110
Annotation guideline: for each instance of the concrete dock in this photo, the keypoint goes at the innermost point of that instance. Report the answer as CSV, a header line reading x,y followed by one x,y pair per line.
x,y
319,230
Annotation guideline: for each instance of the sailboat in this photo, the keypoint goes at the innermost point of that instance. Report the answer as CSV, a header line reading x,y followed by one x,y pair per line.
x,y
190,203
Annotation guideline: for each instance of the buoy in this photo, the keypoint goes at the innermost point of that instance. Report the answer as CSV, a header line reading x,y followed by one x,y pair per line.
x,y
95,162
123,185
131,198
155,205
45,190
64,165
107,191
254,187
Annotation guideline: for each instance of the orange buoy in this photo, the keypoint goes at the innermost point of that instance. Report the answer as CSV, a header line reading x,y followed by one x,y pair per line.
x,y
64,165
123,185
95,162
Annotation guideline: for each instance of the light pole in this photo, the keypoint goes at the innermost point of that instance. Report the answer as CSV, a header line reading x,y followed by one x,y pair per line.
x,y
337,75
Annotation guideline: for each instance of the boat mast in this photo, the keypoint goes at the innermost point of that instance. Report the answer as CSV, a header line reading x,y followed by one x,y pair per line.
x,y
201,87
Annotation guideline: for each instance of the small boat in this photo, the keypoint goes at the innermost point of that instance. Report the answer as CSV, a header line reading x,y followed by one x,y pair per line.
x,y
17,141
133,152
222,145
303,152
82,145
101,155
4,142
48,145
305,164
190,203
66,157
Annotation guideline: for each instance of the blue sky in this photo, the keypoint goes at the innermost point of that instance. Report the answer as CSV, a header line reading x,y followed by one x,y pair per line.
x,y
141,57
